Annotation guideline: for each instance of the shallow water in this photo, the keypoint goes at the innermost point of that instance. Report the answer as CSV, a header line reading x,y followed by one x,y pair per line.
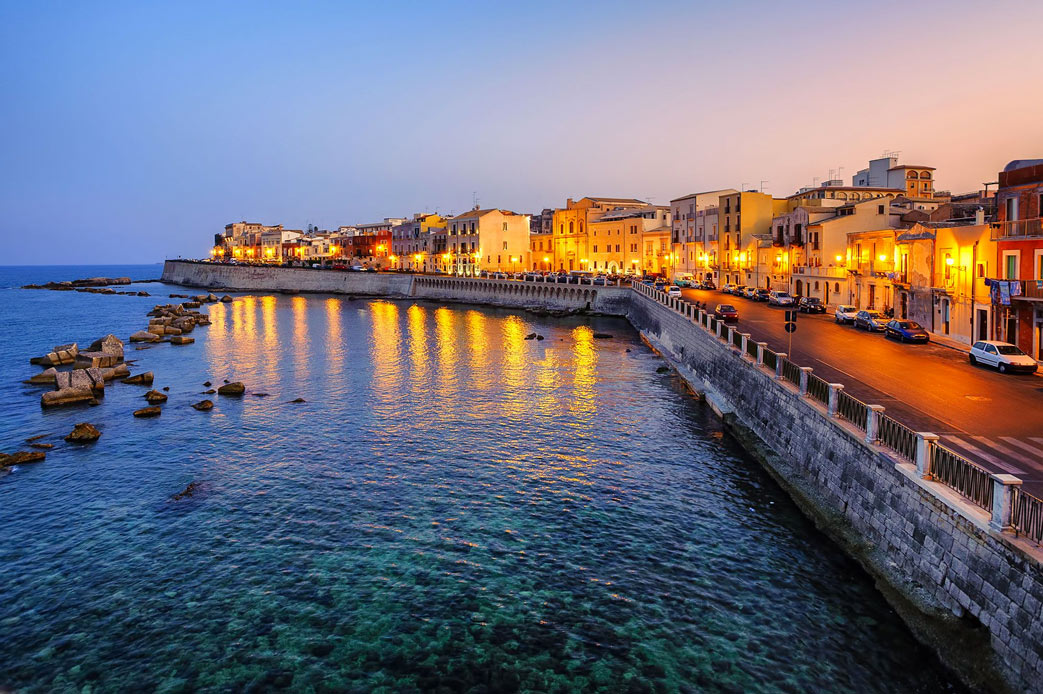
x,y
453,508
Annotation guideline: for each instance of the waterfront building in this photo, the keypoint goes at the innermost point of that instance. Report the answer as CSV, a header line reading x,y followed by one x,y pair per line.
x,y
492,240
618,240
242,241
541,240
694,238
745,229
657,251
411,243
1018,232
571,241
275,242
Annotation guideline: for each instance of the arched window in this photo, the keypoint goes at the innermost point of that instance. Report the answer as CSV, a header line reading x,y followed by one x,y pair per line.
x,y
836,287
571,227
842,196
912,174
925,174
816,286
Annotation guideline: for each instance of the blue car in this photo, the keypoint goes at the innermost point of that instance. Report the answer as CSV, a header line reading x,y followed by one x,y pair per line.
x,y
906,331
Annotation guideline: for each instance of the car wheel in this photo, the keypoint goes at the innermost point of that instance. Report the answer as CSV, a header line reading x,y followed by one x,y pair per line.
x,y
1002,367
974,361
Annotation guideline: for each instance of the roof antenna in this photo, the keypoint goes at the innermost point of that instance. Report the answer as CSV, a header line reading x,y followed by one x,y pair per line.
x,y
474,199
762,184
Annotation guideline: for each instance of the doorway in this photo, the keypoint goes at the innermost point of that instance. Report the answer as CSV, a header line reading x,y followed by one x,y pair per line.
x,y
798,288
872,297
981,331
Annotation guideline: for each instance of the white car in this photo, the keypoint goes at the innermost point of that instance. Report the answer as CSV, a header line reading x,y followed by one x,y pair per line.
x,y
728,288
845,313
781,299
1004,356
674,291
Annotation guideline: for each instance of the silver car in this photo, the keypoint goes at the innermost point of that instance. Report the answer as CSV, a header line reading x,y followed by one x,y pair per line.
x,y
845,313
871,320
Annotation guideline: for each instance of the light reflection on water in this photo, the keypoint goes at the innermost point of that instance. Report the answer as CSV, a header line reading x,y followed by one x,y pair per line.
x,y
453,506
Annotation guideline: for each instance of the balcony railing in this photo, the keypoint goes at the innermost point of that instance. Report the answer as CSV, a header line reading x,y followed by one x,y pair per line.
x,y
1017,229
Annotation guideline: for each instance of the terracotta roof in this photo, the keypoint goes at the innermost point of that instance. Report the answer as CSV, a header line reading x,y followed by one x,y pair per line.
x,y
722,191
599,199
910,166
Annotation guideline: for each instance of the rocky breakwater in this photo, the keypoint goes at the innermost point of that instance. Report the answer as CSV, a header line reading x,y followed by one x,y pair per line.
x,y
92,285
85,381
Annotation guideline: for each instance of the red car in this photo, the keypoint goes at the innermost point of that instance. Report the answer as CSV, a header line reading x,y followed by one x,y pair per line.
x,y
727,313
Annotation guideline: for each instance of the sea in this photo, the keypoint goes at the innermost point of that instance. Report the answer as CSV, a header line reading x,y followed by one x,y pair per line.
x,y
452,508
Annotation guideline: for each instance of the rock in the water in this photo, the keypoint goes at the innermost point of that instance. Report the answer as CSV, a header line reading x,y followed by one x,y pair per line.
x,y
62,354
236,388
662,369
21,457
83,433
46,377
118,371
92,379
602,336
144,336
66,396
188,491
142,379
110,344
298,400
539,337
181,340
226,299
166,388
42,446
260,395
530,336
36,438
203,405
148,412
190,304
209,392
97,360
210,298
207,384
154,397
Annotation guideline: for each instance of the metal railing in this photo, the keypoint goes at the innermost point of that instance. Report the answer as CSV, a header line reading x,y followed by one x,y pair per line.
x,y
736,338
818,389
896,436
1018,228
852,409
751,348
791,372
1026,515
956,472
770,359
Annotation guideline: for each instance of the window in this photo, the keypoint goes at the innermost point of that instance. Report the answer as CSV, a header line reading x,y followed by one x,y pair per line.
x,y
571,227
595,249
617,248
504,227
1011,208
505,245
1010,265
879,209
836,287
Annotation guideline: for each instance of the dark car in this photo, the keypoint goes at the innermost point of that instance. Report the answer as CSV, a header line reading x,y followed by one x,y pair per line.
x,y
870,320
761,295
727,313
906,331
707,284
811,304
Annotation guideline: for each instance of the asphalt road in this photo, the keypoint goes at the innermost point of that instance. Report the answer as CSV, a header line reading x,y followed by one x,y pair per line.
x,y
993,419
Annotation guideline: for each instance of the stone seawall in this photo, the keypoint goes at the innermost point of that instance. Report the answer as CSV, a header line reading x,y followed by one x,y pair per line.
x,y
972,592
539,295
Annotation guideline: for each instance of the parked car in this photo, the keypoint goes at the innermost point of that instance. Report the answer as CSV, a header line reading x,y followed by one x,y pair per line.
x,y
761,295
728,288
845,313
660,285
707,284
683,279
1004,356
779,298
740,290
811,304
600,280
355,268
749,292
674,291
869,319
906,331
727,313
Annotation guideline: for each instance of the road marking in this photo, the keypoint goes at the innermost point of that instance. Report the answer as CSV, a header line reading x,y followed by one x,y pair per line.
x,y
1036,439
1001,464
997,446
1038,452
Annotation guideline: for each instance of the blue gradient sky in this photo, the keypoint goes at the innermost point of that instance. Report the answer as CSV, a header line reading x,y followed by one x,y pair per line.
x,y
134,131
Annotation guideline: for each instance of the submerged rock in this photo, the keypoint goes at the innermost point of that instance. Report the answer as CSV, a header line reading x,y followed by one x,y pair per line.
x,y
43,446
260,395
236,388
298,400
142,379
154,396
209,392
148,412
203,405
83,433
144,336
226,299
539,337
530,336
36,438
187,492
46,377
92,379
181,340
207,384
662,369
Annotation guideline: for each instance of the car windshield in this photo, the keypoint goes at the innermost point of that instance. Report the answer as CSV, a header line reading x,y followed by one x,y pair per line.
x,y
1009,349
725,307
909,325
873,314
847,309
812,301
782,295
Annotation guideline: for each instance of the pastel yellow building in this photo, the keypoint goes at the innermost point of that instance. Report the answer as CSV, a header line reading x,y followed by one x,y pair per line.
x,y
491,240
744,226
570,228
617,239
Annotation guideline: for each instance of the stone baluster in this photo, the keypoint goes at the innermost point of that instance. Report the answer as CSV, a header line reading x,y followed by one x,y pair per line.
x,y
780,359
761,346
924,443
805,372
834,398
1002,501
872,422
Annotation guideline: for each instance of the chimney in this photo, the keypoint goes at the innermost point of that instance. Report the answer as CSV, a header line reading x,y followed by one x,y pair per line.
x,y
569,203
979,216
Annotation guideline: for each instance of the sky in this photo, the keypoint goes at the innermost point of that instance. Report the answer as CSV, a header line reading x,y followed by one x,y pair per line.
x,y
133,132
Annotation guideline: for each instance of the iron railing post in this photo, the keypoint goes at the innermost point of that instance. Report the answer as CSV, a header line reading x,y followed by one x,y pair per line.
x,y
924,442
1002,501
834,398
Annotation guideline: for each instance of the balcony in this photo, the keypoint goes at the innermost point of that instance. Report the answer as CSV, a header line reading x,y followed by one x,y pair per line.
x,y
1017,229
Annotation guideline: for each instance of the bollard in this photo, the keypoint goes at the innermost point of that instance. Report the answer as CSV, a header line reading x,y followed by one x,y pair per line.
x,y
834,398
779,359
1002,501
924,443
720,325
745,343
761,346
872,422
805,371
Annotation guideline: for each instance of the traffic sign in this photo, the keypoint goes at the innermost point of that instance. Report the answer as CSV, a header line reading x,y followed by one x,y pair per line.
x,y
791,316
791,327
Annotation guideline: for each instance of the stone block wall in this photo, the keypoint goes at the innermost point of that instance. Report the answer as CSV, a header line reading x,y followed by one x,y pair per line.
x,y
922,539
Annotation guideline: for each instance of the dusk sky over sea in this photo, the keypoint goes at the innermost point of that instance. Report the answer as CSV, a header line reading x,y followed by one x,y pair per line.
x,y
132,131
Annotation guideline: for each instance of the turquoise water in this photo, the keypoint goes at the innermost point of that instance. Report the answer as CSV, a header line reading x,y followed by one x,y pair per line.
x,y
453,508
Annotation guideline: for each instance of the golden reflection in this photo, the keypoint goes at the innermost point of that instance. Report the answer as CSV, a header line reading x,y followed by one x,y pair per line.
x,y
513,402
386,348
478,345
584,370
418,358
299,306
269,337
334,336
445,340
